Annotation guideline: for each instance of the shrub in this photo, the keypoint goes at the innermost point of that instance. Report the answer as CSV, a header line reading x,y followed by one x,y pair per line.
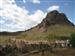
x,y
72,40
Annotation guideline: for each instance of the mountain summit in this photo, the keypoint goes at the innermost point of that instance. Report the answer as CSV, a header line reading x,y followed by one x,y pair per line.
x,y
55,18
55,23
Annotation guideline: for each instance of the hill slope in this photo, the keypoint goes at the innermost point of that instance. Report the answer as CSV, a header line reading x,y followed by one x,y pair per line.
x,y
55,24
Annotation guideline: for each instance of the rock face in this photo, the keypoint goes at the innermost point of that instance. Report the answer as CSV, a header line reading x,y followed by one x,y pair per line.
x,y
55,18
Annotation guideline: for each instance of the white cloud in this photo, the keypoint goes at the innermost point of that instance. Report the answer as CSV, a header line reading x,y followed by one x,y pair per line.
x,y
13,12
35,1
24,1
2,21
37,16
16,18
54,7
12,1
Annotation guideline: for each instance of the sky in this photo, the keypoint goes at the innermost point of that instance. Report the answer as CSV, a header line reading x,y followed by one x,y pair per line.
x,y
20,15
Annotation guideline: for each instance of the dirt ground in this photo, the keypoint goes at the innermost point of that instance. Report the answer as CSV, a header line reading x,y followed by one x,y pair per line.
x,y
57,52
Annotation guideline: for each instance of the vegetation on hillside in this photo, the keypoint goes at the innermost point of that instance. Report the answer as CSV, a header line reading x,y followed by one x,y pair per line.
x,y
72,40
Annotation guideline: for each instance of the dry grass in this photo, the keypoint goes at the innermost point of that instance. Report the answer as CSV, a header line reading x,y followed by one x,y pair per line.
x,y
37,34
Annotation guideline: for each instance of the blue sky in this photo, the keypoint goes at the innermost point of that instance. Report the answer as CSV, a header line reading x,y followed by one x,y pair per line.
x,y
19,15
66,6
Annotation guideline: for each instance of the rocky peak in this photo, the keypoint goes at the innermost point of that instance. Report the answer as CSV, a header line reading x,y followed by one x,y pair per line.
x,y
55,18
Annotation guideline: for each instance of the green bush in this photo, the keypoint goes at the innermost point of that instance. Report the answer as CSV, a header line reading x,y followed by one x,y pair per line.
x,y
54,37
63,37
72,40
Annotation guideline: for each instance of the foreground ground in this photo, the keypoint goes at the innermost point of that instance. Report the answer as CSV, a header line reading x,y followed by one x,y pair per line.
x,y
27,49
57,52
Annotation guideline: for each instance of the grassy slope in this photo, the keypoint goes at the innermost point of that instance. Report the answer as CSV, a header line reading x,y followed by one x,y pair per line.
x,y
40,34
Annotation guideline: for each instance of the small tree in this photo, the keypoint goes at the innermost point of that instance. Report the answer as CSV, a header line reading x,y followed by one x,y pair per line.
x,y
72,40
